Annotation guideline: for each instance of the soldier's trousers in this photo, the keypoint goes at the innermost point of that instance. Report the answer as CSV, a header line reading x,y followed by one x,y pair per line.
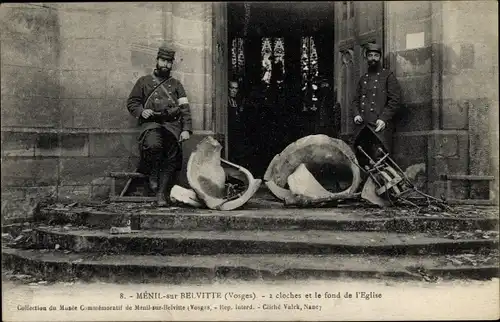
x,y
161,158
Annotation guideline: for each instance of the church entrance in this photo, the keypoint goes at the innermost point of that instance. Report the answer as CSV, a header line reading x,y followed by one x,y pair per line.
x,y
281,57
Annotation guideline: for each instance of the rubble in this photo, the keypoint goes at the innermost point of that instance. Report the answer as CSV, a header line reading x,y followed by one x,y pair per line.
x,y
185,196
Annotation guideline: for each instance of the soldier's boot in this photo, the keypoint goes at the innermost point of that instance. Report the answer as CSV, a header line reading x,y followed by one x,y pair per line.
x,y
154,177
167,181
161,197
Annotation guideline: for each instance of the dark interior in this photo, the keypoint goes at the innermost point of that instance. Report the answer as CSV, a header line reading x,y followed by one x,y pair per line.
x,y
291,21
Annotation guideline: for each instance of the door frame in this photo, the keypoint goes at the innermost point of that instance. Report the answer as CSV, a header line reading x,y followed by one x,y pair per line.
x,y
220,64
220,70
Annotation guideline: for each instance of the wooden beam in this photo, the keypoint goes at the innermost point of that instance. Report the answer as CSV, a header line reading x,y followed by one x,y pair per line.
x,y
125,175
132,199
220,52
467,177
481,202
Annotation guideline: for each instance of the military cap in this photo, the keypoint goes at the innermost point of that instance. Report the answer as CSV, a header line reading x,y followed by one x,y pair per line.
x,y
372,47
166,52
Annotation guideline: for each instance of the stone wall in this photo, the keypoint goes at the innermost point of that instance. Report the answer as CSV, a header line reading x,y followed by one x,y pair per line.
x,y
445,55
67,70
30,114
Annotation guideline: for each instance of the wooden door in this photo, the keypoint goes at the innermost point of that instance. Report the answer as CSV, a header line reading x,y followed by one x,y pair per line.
x,y
357,23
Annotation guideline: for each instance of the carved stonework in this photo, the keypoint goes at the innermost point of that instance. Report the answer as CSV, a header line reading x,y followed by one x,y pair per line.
x,y
347,56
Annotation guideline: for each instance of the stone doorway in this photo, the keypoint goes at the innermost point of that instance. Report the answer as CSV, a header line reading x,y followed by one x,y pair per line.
x,y
280,53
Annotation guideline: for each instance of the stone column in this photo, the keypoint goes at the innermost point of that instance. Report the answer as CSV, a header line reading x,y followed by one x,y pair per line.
x,y
409,48
444,54
191,34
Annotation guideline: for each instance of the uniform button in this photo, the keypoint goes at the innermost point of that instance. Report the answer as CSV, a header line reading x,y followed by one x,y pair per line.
x,y
365,82
363,103
374,94
156,93
374,86
378,74
376,80
364,95
373,102
371,109
362,110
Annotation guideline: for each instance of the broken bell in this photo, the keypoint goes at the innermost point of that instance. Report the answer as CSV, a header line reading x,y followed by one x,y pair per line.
x,y
218,183
314,169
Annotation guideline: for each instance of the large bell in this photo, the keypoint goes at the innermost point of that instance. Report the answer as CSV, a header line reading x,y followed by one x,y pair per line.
x,y
210,177
315,167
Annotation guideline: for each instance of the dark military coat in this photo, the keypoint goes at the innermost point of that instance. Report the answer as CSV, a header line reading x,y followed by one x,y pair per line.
x,y
378,96
170,101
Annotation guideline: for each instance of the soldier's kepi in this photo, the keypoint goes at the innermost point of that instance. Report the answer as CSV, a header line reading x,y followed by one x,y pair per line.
x,y
160,104
375,103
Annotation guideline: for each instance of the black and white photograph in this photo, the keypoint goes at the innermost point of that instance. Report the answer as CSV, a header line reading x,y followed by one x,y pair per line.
x,y
250,161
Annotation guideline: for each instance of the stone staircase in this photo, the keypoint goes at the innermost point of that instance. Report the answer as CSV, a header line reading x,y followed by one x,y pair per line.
x,y
263,240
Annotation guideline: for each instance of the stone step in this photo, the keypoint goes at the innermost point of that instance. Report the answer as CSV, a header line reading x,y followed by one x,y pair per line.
x,y
173,242
347,219
50,264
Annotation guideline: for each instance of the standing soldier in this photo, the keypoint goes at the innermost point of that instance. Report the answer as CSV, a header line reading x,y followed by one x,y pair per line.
x,y
236,125
376,101
160,104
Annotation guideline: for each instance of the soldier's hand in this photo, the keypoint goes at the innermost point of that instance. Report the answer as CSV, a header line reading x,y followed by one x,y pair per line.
x,y
380,125
184,136
147,113
358,119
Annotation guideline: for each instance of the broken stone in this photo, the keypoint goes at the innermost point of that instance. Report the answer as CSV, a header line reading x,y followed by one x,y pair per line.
x,y
207,177
7,237
21,276
185,196
19,238
120,230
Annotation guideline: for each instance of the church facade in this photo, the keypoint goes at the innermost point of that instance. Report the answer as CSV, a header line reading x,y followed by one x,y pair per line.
x,y
67,70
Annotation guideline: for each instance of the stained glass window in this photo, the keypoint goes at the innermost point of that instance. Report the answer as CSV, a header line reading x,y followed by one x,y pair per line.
x,y
310,73
272,56
238,59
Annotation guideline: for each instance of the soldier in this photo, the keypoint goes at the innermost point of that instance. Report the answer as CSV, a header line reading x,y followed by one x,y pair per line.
x,y
160,104
376,101
236,126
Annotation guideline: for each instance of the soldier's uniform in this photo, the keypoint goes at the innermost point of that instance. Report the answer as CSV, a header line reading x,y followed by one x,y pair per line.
x,y
377,97
160,150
